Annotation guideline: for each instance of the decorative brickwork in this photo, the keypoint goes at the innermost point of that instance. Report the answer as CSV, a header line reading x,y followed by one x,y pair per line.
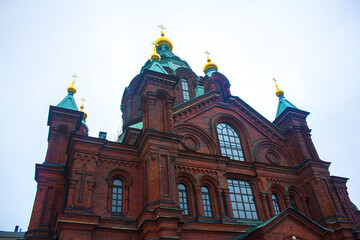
x,y
167,142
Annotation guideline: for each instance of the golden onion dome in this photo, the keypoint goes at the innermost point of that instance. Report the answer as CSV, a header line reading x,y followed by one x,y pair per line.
x,y
72,88
155,55
163,40
209,65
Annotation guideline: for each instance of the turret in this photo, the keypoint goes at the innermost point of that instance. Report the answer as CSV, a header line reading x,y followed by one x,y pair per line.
x,y
64,119
293,121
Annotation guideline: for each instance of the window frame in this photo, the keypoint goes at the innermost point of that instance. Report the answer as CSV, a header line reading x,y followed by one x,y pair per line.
x,y
126,179
208,200
187,90
186,197
117,205
233,146
245,199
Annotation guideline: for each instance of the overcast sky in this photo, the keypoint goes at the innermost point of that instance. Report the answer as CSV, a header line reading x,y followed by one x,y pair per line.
x,y
311,48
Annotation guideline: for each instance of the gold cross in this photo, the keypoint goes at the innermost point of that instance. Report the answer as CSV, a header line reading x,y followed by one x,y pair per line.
x,y
162,28
74,76
207,53
275,81
83,100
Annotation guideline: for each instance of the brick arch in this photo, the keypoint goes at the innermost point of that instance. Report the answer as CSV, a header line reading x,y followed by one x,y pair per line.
x,y
189,181
277,187
212,184
125,177
119,173
184,176
239,127
298,195
265,147
207,180
279,192
198,132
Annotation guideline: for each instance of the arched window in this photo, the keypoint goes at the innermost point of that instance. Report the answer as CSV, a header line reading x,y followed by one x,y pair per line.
x,y
293,202
242,199
276,204
185,89
117,196
206,201
229,140
183,199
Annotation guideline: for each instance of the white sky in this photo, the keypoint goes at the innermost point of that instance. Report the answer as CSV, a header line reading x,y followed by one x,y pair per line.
x,y
311,48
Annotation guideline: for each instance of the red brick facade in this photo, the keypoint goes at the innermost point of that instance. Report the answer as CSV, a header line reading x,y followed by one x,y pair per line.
x,y
179,143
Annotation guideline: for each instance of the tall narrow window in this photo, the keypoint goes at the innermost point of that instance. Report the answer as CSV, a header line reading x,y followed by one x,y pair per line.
x,y
242,200
185,89
229,140
206,201
293,202
276,204
117,194
183,199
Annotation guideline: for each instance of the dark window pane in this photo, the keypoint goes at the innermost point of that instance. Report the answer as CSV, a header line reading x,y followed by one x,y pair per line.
x,y
183,199
206,201
185,88
117,196
276,204
242,201
230,143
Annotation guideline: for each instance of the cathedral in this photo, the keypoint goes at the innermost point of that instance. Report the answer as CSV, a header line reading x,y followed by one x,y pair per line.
x,y
193,162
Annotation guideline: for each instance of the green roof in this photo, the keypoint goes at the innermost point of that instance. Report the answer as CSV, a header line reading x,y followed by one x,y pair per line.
x,y
168,59
156,67
68,102
283,104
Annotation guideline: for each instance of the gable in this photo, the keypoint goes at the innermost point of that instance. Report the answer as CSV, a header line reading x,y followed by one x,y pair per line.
x,y
287,225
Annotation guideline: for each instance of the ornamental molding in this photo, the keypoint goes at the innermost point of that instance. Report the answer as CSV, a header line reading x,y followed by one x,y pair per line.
x,y
265,125
119,163
283,181
188,169
184,112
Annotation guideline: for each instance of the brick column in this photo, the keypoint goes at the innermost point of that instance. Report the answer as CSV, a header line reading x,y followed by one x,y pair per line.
x,y
70,197
271,204
304,202
228,207
198,198
221,202
91,186
287,200
263,197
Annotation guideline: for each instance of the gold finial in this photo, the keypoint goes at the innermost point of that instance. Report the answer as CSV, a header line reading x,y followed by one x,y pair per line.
x,y
82,107
82,104
209,64
208,55
72,88
162,30
278,91
155,55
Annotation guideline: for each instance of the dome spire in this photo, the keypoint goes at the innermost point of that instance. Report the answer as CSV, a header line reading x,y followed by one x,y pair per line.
x,y
69,101
278,91
209,66
283,102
